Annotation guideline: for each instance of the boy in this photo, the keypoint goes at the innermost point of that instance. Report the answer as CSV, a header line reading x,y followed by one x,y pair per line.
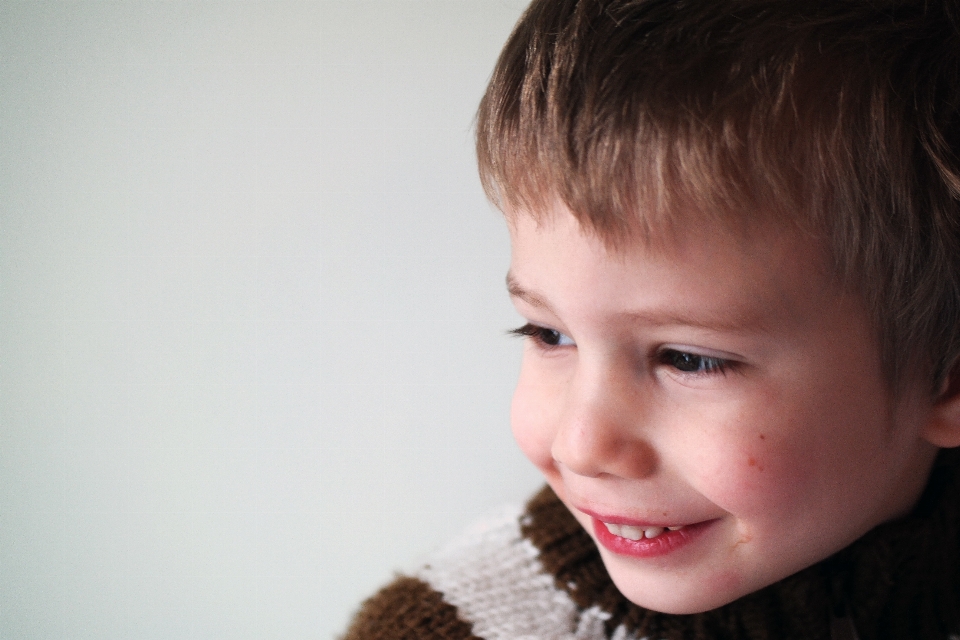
x,y
736,241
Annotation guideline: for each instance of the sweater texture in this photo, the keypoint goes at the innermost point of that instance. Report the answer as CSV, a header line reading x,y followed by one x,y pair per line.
x,y
535,574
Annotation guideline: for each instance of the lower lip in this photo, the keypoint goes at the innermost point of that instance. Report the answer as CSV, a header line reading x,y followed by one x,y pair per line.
x,y
667,542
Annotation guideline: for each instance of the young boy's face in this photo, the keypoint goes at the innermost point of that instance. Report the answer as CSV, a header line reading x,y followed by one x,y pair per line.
x,y
715,383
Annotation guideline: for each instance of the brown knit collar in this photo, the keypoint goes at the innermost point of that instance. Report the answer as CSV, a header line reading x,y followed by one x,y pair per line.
x,y
900,581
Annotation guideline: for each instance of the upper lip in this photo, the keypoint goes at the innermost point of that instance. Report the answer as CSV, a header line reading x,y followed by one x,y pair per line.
x,y
612,519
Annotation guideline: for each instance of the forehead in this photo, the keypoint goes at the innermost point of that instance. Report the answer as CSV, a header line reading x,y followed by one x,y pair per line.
x,y
703,274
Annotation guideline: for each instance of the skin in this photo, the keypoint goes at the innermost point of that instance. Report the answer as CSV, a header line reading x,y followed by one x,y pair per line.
x,y
714,378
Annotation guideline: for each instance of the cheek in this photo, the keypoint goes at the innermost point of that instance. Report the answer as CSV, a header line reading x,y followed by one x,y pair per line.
x,y
532,427
765,480
757,472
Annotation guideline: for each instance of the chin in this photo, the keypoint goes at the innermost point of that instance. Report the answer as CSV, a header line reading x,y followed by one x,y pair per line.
x,y
675,594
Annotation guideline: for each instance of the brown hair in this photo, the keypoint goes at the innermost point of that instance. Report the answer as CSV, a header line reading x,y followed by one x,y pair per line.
x,y
838,115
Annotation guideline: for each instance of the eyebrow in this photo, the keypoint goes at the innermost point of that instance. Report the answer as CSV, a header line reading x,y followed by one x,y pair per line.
x,y
516,291
736,323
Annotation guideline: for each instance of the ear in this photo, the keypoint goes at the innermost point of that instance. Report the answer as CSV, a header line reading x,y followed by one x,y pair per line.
x,y
943,429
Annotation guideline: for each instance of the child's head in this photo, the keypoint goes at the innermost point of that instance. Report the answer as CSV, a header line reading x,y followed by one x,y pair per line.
x,y
737,241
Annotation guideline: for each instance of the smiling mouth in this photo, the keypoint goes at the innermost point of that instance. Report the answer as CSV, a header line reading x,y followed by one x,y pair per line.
x,y
638,533
649,541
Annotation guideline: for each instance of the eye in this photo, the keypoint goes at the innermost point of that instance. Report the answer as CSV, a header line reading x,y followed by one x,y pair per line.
x,y
686,362
543,336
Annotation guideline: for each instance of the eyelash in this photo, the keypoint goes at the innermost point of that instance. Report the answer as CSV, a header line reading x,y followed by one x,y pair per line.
x,y
693,363
543,337
683,361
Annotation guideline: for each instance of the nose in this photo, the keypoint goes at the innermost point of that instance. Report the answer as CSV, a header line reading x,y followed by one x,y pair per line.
x,y
602,426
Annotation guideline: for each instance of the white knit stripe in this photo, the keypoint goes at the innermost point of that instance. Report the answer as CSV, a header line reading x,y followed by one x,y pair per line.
x,y
620,633
493,577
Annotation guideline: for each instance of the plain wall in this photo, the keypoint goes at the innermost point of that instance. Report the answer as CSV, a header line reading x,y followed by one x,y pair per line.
x,y
252,311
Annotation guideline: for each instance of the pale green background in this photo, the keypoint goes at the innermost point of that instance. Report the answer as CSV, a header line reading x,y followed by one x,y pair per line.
x,y
252,352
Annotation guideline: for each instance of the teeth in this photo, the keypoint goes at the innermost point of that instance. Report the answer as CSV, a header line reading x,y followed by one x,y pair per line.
x,y
631,533
638,533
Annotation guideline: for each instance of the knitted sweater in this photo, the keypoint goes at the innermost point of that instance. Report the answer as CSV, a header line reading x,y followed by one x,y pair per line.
x,y
535,574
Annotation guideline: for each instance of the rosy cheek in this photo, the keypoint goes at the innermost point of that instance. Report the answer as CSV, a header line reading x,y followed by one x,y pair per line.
x,y
755,478
756,459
